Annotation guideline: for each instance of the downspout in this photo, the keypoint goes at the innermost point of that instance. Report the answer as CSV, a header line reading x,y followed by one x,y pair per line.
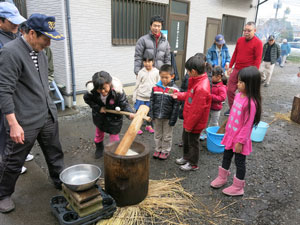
x,y
258,4
71,51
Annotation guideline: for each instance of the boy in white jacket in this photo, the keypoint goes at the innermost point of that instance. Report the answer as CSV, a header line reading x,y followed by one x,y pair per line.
x,y
146,79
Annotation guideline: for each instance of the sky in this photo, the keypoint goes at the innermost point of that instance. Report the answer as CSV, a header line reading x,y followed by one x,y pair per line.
x,y
267,10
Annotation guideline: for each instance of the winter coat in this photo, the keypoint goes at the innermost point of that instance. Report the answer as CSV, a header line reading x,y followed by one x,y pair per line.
x,y
212,56
285,49
197,103
183,88
146,45
218,95
108,122
24,90
6,37
162,105
275,52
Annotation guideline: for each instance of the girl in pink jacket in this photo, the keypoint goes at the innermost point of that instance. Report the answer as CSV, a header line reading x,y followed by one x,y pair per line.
x,y
244,114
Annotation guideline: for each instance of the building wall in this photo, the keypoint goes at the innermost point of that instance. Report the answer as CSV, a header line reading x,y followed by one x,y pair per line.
x,y
91,33
200,10
59,48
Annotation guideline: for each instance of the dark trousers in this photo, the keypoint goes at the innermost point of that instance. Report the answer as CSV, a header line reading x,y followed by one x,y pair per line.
x,y
232,86
14,155
240,163
191,147
2,133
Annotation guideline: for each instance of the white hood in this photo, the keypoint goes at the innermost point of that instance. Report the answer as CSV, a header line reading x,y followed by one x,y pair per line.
x,y
116,85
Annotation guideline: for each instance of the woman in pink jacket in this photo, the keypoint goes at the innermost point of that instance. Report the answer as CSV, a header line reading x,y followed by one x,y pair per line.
x,y
244,114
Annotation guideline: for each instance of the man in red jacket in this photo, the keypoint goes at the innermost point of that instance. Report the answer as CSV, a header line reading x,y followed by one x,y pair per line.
x,y
248,52
195,112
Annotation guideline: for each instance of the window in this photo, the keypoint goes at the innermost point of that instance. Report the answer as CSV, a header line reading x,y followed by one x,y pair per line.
x,y
21,5
131,19
232,28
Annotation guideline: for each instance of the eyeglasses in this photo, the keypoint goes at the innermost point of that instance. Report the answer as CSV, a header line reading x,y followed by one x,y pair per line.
x,y
247,30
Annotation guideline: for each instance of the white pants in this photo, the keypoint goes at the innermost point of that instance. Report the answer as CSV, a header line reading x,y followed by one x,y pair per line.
x,y
266,69
283,59
162,135
213,118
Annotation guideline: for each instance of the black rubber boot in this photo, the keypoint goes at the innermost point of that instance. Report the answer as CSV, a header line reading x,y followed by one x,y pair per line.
x,y
99,150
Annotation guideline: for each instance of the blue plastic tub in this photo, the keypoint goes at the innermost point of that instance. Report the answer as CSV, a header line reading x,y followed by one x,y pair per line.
x,y
213,142
259,132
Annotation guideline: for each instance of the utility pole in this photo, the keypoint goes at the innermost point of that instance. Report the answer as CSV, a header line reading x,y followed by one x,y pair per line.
x,y
277,6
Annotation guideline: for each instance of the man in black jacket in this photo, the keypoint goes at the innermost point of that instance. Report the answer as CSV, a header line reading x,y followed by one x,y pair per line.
x,y
153,43
29,111
271,52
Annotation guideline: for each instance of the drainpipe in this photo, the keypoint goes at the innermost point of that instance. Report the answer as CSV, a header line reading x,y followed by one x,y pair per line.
x,y
258,4
71,52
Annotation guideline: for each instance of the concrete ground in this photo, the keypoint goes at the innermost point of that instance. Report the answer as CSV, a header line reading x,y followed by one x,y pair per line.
x,y
272,180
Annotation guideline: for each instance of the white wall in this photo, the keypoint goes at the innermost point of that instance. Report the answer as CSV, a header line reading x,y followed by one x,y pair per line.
x,y
93,50
91,33
200,10
59,48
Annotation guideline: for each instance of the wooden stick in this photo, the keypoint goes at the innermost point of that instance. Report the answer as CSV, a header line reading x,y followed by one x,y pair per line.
x,y
222,127
132,130
147,118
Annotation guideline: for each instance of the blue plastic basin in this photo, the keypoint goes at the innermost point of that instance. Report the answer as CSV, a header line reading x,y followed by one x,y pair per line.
x,y
259,132
213,142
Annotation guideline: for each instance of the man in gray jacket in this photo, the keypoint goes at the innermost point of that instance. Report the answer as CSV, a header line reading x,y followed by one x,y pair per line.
x,y
155,44
10,19
271,52
29,111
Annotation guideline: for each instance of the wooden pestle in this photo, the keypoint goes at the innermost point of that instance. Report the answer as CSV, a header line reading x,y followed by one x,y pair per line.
x,y
147,118
132,130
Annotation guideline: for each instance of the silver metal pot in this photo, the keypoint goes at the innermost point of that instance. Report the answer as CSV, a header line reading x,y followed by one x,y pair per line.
x,y
80,177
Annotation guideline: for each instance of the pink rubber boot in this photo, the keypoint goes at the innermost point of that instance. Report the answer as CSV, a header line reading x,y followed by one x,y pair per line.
x,y
236,189
221,180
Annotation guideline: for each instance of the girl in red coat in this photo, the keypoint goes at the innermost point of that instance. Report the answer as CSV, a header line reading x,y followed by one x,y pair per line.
x,y
195,112
218,95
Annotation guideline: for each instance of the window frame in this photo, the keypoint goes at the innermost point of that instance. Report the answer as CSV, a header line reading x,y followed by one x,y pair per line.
x,y
145,10
223,28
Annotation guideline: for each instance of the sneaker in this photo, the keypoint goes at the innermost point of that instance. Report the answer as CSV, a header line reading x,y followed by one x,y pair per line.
x,y
29,158
188,167
6,205
24,169
150,129
227,112
140,132
266,85
164,156
156,155
203,137
181,161
180,144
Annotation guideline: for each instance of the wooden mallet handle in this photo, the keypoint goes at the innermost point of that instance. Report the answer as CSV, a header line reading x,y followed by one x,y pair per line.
x,y
132,130
147,118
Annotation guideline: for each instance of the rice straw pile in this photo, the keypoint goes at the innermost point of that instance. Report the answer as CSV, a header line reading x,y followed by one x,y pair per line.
x,y
281,116
167,203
